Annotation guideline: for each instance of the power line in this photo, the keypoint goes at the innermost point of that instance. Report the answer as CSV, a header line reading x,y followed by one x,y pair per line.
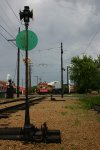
x,y
12,10
6,31
48,49
6,39
10,35
5,23
91,40
5,14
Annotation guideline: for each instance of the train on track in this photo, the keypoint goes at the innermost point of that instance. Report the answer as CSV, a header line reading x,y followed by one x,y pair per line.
x,y
49,88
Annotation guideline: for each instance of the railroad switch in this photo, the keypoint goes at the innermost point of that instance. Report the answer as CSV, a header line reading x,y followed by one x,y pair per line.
x,y
42,135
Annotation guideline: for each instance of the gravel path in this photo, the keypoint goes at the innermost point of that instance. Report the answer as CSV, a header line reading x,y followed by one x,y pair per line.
x,y
80,128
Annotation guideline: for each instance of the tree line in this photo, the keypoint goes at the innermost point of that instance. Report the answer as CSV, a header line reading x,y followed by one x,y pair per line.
x,y
85,72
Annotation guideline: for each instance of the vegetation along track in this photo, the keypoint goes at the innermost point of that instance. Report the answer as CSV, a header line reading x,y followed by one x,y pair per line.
x,y
19,105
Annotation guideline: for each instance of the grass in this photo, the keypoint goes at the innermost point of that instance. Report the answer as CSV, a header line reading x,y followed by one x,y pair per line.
x,y
98,119
74,95
73,147
89,101
76,122
62,148
70,107
63,113
73,107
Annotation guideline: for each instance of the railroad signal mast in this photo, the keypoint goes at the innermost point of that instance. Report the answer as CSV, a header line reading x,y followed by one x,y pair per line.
x,y
25,15
29,132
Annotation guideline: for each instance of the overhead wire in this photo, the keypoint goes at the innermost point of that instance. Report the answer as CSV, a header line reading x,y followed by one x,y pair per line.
x,y
4,13
6,31
91,40
12,10
13,44
5,23
9,34
6,39
47,49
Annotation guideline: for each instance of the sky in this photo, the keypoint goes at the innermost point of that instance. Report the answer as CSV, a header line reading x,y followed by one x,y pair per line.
x,y
75,23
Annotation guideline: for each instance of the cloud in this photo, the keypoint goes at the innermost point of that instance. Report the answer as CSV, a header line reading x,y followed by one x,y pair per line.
x,y
74,22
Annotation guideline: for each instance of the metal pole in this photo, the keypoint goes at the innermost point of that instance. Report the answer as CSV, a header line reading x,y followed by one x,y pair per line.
x,y
67,78
37,80
27,116
61,71
18,69
29,78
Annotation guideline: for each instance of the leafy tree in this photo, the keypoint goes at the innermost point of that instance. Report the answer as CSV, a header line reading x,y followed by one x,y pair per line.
x,y
97,81
97,62
33,89
83,72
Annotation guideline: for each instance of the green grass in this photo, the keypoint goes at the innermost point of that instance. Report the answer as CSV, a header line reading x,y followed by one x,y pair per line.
x,y
63,113
77,122
73,147
98,119
74,95
89,101
73,107
62,148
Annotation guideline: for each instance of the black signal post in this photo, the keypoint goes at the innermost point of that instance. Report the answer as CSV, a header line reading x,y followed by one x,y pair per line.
x,y
18,69
25,15
30,133
62,92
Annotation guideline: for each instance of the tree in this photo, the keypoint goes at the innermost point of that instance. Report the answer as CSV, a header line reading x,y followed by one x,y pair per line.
x,y
83,72
97,62
97,81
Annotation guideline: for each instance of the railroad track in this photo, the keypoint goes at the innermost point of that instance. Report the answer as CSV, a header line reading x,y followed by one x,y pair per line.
x,y
6,101
32,134
13,107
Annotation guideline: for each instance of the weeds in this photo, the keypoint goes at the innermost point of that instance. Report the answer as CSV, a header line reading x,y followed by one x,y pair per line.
x,y
88,102
98,119
76,122
62,148
63,113
73,147
73,107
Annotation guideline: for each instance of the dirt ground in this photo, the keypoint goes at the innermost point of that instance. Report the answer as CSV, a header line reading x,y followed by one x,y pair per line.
x,y
80,128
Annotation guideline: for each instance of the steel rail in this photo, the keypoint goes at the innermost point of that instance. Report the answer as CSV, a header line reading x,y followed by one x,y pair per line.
x,y
21,106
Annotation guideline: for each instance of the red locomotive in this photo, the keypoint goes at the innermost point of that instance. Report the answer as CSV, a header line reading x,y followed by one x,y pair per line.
x,y
44,88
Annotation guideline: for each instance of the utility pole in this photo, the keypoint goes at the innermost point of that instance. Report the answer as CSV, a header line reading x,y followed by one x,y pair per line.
x,y
62,70
26,14
18,65
18,69
67,76
68,81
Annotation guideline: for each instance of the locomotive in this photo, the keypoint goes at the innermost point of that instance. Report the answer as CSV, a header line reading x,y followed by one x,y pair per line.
x,y
47,88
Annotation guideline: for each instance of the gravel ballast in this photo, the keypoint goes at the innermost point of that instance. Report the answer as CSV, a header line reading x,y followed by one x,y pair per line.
x,y
80,128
